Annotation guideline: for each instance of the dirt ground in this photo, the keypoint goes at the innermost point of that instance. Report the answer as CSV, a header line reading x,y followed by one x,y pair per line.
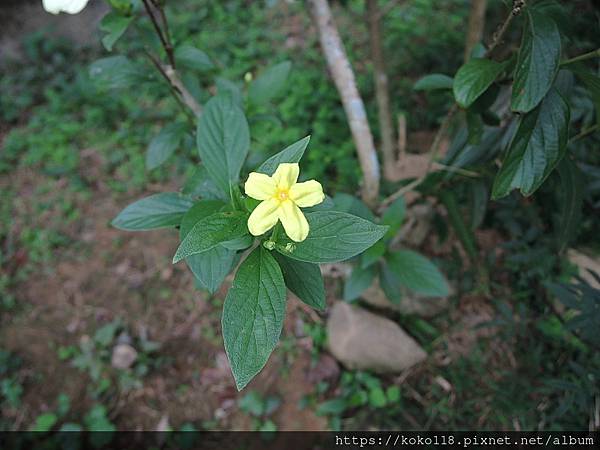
x,y
104,274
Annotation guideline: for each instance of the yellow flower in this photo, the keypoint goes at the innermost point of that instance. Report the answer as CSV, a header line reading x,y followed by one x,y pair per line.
x,y
281,197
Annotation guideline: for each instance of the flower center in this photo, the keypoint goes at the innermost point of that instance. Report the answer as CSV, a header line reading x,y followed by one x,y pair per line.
x,y
282,195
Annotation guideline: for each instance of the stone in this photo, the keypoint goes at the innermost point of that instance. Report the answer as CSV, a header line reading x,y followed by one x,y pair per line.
x,y
411,302
123,356
362,340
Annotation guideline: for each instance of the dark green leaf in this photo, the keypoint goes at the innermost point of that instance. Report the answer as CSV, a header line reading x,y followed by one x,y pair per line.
x,y
291,154
457,220
164,144
163,210
433,81
570,201
473,79
417,273
200,184
253,315
225,86
352,205
359,280
333,236
390,284
537,63
538,145
592,83
114,25
212,266
270,83
223,140
475,127
192,58
116,72
394,217
303,279
373,254
211,231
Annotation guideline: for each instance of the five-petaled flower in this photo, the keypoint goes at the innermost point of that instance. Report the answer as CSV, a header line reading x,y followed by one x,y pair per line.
x,y
281,197
68,6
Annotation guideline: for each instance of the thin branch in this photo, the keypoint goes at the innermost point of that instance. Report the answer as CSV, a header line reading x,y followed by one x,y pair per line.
x,y
178,90
169,47
433,151
345,82
158,30
585,132
588,55
475,27
517,8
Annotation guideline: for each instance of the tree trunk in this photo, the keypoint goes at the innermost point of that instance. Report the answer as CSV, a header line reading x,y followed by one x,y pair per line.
x,y
381,91
343,76
476,25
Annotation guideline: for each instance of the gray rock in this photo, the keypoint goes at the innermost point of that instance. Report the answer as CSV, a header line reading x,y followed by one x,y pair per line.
x,y
411,302
123,356
363,340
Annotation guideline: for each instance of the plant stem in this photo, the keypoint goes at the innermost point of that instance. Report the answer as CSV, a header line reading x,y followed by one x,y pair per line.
x,y
518,6
585,132
588,55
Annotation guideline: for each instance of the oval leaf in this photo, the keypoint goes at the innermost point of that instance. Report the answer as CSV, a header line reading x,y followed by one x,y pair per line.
x,y
538,145
334,236
417,273
537,63
433,82
157,211
223,140
211,231
193,58
290,154
303,279
253,315
270,83
473,79
164,144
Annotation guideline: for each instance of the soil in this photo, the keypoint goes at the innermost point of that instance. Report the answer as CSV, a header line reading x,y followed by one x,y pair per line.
x,y
104,274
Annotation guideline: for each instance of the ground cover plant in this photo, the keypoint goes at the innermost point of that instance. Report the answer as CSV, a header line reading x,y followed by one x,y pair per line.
x,y
238,156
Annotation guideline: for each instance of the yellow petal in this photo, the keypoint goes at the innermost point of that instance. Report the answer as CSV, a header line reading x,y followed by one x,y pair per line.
x,y
260,186
309,193
264,217
293,221
286,175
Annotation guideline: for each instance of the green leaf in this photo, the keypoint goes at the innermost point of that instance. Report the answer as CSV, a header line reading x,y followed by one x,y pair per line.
x,y
253,315
192,58
290,154
393,217
570,201
228,87
211,231
270,83
349,204
303,279
162,210
212,266
592,83
44,422
389,284
334,236
537,63
433,81
373,254
417,273
200,184
164,144
377,398
114,25
538,145
116,72
475,127
359,280
223,140
457,220
473,79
